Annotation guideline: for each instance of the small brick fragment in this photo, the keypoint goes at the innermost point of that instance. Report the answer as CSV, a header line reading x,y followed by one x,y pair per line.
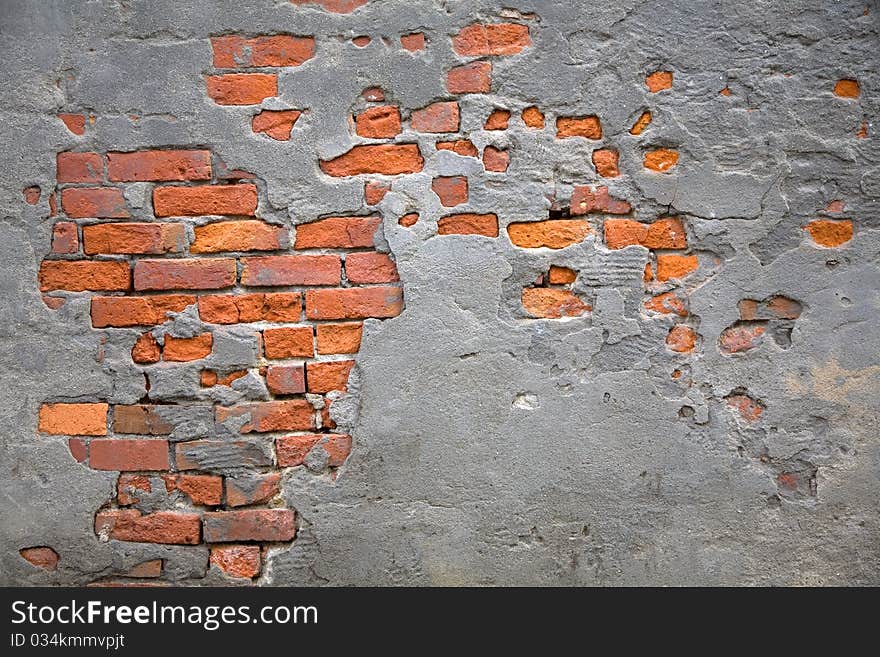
x,y
205,490
641,123
491,39
578,126
552,303
276,124
497,120
463,147
413,42
741,337
146,350
242,561
386,159
661,159
495,159
326,376
675,266
533,118
847,88
451,190
65,239
252,488
41,557
586,199
409,220
830,233
605,161
76,123
142,419
681,338
658,81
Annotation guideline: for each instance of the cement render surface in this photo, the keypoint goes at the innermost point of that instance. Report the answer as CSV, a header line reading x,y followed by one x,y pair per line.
x,y
488,448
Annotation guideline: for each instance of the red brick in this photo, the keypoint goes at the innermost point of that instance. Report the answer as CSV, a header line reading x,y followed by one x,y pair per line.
x,y
552,303
338,233
164,165
137,311
374,192
675,266
338,447
79,167
586,199
184,274
605,161
370,267
127,455
386,159
129,486
451,190
291,451
494,39
291,270
666,233
31,194
409,219
252,489
81,275
246,235
65,238
73,419
498,120
242,88
578,126
473,78
288,342
660,159
667,303
328,375
41,557
210,378
277,124
373,94
335,6
437,117
379,122
749,409
641,123
76,123
354,303
495,159
286,415
78,449
740,337
133,238
552,234
533,118
205,200
232,51
413,42
146,350
847,88
187,349
206,490
658,81
141,419
145,570
468,224
339,338
461,147
232,309
242,561
830,233
286,379
98,202
361,41
250,525
681,338
166,527
561,275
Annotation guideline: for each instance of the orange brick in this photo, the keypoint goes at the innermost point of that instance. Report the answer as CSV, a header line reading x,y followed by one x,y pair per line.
x,y
74,419
246,235
339,338
288,342
468,224
242,88
136,238
187,349
205,200
162,165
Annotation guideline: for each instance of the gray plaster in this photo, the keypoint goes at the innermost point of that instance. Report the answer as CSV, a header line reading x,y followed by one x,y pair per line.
x,y
490,448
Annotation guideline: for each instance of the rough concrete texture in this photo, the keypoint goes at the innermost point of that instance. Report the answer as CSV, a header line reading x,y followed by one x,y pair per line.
x,y
603,443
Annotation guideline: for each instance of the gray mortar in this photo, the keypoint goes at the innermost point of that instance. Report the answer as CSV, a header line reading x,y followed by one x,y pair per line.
x,y
488,448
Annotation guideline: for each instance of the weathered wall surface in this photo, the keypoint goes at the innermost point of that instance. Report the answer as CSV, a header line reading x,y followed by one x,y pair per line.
x,y
379,292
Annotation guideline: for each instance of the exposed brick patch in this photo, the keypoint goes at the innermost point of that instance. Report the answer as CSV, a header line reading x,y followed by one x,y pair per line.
x,y
277,124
